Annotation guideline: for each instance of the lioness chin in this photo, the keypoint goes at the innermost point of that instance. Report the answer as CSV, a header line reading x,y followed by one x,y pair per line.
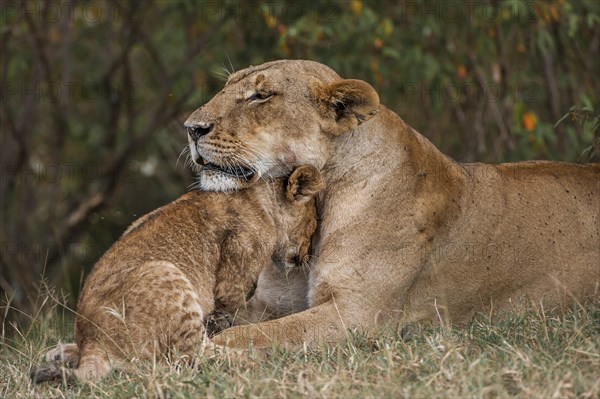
x,y
407,234
148,296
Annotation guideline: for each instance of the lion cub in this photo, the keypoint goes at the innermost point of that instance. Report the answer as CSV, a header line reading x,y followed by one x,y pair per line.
x,y
148,296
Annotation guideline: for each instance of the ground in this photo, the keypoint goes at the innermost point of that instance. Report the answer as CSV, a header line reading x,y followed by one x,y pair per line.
x,y
535,355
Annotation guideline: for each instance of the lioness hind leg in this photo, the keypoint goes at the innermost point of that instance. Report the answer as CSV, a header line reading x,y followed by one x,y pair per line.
x,y
66,354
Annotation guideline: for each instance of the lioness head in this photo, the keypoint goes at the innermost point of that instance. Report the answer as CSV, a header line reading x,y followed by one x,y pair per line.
x,y
271,118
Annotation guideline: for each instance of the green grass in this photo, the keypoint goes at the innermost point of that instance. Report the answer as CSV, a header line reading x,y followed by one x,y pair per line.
x,y
533,355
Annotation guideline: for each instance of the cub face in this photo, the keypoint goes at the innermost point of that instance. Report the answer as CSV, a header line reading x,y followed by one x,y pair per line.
x,y
271,118
296,223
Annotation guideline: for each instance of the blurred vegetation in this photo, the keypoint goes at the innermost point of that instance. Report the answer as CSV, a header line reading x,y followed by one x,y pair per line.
x,y
94,94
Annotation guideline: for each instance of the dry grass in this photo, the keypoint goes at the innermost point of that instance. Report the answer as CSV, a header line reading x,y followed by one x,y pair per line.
x,y
533,355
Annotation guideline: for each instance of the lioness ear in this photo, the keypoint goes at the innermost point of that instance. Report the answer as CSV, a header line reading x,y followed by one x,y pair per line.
x,y
303,184
348,103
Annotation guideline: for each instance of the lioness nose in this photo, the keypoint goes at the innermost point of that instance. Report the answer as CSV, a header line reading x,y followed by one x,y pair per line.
x,y
198,129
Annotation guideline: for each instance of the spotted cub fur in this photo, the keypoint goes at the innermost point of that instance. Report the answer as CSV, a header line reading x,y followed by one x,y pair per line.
x,y
149,295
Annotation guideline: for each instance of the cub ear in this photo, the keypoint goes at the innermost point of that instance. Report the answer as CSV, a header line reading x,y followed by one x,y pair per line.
x,y
347,104
303,184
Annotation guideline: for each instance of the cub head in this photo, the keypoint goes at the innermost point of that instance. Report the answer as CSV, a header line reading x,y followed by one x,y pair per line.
x,y
271,118
299,217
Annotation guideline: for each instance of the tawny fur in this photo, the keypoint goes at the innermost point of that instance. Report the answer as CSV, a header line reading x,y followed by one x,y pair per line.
x,y
280,291
148,296
407,234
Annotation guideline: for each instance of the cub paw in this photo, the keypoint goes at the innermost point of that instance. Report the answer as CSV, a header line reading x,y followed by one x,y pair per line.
x,y
217,321
64,354
50,372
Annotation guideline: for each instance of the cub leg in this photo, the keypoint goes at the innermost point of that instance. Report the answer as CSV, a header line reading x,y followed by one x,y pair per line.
x,y
67,354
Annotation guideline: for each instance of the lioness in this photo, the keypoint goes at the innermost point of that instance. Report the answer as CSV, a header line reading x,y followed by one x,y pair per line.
x,y
147,297
407,234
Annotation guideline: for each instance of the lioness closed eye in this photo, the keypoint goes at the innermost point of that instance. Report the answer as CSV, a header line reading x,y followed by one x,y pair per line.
x,y
148,295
